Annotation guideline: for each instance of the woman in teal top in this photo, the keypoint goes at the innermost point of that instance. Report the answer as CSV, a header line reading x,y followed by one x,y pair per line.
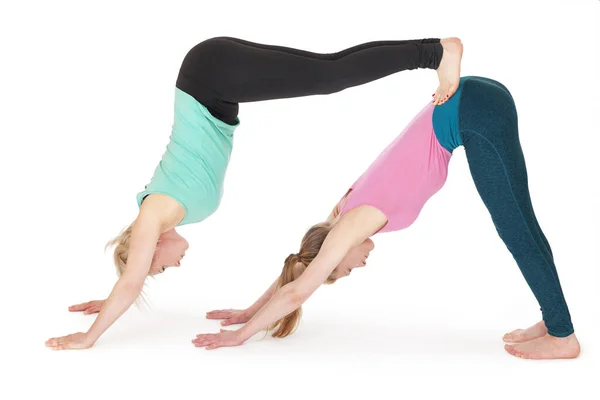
x,y
215,76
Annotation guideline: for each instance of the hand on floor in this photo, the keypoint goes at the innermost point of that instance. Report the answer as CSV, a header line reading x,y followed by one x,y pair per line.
x,y
229,316
90,307
76,341
224,338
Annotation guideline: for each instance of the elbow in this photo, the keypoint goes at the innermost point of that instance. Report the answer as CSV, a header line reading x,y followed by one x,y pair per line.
x,y
295,297
132,286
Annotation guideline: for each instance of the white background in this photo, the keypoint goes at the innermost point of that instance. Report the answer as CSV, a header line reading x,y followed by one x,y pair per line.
x,y
86,110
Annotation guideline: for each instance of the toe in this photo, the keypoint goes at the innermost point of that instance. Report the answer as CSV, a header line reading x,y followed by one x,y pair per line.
x,y
438,97
514,336
442,98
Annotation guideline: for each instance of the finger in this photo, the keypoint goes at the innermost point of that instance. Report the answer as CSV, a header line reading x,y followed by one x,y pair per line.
x,y
213,346
220,311
205,337
78,307
219,315
56,346
202,342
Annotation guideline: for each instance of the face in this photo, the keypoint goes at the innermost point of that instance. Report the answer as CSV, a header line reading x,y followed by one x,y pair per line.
x,y
356,258
170,250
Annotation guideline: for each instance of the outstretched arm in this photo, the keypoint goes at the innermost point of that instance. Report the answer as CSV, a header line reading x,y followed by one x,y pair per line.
x,y
157,214
355,227
231,316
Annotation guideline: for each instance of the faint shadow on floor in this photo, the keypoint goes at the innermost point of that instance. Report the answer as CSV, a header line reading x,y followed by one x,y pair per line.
x,y
344,337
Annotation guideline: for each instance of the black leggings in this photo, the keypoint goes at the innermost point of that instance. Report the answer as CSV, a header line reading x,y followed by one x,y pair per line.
x,y
222,72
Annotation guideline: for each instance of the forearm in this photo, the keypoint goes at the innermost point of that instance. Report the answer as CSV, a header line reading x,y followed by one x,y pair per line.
x,y
120,299
262,300
283,302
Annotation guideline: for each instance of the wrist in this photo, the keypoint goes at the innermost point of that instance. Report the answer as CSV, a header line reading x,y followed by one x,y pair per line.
x,y
90,337
243,333
249,312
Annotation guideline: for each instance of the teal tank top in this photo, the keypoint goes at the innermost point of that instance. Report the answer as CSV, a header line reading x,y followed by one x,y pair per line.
x,y
192,169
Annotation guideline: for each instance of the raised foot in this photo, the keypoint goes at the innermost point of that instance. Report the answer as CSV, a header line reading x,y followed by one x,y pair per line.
x,y
545,348
448,70
525,335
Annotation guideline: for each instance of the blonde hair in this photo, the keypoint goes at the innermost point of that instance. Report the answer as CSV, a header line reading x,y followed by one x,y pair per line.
x,y
294,266
121,254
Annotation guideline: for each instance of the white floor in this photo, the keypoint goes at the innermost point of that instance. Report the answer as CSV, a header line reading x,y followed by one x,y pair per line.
x,y
334,354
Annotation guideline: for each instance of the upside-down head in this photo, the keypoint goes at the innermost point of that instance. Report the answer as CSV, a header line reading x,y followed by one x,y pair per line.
x,y
170,250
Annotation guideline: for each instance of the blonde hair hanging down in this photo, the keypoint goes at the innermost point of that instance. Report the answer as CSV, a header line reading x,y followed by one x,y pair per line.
x,y
121,252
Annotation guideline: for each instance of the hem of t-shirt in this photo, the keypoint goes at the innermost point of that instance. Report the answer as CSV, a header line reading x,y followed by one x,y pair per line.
x,y
221,124
146,193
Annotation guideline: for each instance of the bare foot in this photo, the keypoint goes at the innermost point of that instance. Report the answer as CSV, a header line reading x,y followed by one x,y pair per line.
x,y
448,70
545,348
525,335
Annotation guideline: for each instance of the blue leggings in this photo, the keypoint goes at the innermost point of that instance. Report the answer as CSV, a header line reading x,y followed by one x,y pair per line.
x,y
488,127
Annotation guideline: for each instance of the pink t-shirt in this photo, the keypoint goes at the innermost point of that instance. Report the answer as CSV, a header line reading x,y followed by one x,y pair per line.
x,y
404,176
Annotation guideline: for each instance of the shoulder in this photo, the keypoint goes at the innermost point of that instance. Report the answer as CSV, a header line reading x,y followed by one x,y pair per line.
x,y
364,220
165,209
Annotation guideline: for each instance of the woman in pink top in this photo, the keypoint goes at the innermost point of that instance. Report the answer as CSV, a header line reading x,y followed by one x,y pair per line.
x,y
389,196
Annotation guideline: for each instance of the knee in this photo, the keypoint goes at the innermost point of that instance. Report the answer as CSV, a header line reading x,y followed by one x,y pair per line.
x,y
209,47
206,56
207,64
